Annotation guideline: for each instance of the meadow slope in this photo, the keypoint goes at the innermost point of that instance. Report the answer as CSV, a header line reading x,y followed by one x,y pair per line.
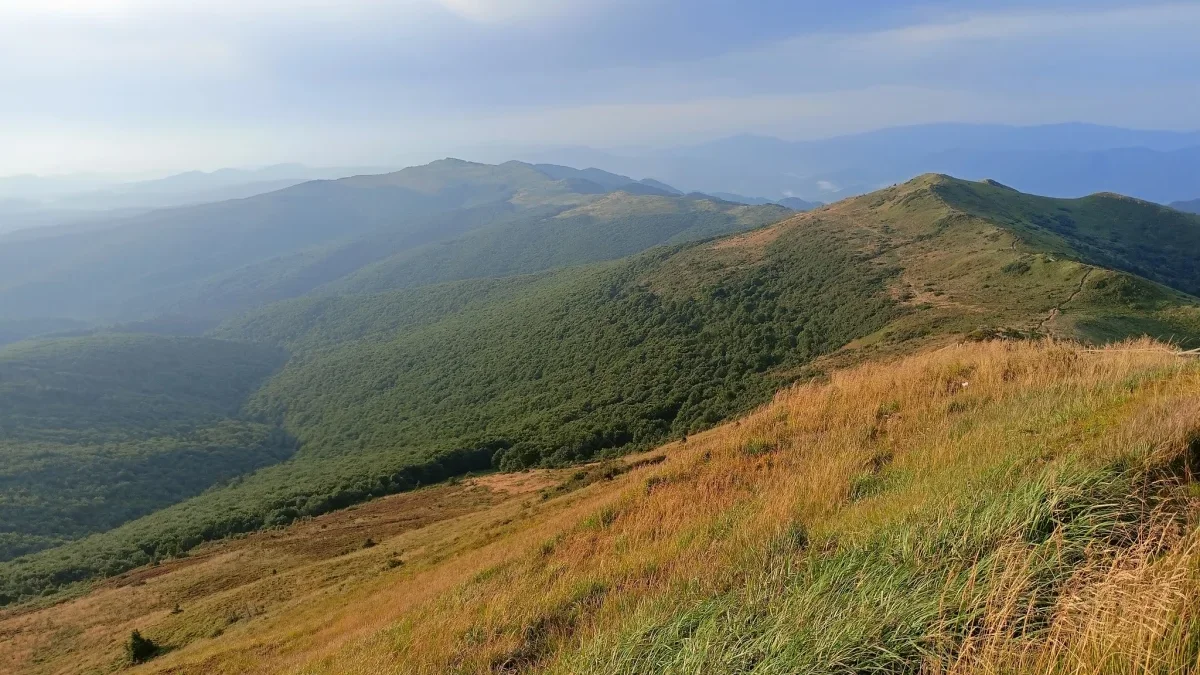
x,y
990,507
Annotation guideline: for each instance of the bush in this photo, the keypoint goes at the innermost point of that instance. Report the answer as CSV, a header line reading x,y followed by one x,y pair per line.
x,y
140,649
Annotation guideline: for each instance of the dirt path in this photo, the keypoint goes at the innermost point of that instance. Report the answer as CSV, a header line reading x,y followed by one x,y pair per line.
x,y
1057,309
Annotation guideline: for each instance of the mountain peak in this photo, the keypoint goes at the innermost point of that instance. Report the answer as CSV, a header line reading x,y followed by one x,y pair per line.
x,y
930,179
997,184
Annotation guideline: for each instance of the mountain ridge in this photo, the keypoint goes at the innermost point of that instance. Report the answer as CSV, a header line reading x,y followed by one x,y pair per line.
x,y
1192,206
221,258
1065,160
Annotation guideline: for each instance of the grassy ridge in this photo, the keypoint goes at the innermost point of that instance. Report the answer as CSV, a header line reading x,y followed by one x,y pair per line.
x,y
1108,230
989,507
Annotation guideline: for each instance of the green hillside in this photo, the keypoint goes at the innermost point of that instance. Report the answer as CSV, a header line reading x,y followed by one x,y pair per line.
x,y
614,226
301,272
100,430
1104,229
388,391
380,232
314,322
143,265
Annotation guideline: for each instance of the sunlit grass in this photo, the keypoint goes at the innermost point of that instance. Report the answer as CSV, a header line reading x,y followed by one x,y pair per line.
x,y
1009,483
984,508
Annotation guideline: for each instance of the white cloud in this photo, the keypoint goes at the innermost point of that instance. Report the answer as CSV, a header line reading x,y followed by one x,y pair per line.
x,y
1000,33
503,11
1022,25
488,11
827,186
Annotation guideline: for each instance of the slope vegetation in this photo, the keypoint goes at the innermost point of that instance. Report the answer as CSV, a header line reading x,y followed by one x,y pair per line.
x,y
389,391
614,226
100,430
1105,229
214,260
981,508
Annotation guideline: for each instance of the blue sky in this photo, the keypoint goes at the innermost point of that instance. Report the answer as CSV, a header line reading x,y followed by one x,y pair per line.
x,y
134,85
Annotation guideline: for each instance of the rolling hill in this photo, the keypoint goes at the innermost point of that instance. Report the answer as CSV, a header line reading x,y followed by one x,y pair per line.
x,y
15,330
793,203
215,260
388,391
614,226
1192,206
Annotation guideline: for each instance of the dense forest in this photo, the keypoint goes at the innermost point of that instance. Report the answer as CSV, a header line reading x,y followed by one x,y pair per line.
x,y
96,431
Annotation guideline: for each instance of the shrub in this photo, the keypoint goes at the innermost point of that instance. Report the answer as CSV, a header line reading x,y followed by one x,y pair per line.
x,y
140,649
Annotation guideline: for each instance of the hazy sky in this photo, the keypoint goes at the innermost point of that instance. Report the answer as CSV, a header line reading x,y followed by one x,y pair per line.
x,y
177,84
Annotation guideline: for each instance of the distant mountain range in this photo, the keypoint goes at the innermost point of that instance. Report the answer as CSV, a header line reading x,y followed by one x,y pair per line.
x,y
34,201
1064,160
444,221
1192,206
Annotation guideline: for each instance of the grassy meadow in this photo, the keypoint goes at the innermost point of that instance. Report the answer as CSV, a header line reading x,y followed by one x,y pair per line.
x,y
994,507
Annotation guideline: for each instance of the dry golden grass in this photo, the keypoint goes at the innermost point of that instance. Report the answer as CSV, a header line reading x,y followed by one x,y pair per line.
x,y
807,537
225,586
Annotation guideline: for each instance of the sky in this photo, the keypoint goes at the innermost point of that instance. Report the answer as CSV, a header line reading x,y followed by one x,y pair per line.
x,y
149,85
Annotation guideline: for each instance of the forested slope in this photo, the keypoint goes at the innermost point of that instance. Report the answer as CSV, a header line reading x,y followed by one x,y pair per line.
x,y
100,430
614,226
388,391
